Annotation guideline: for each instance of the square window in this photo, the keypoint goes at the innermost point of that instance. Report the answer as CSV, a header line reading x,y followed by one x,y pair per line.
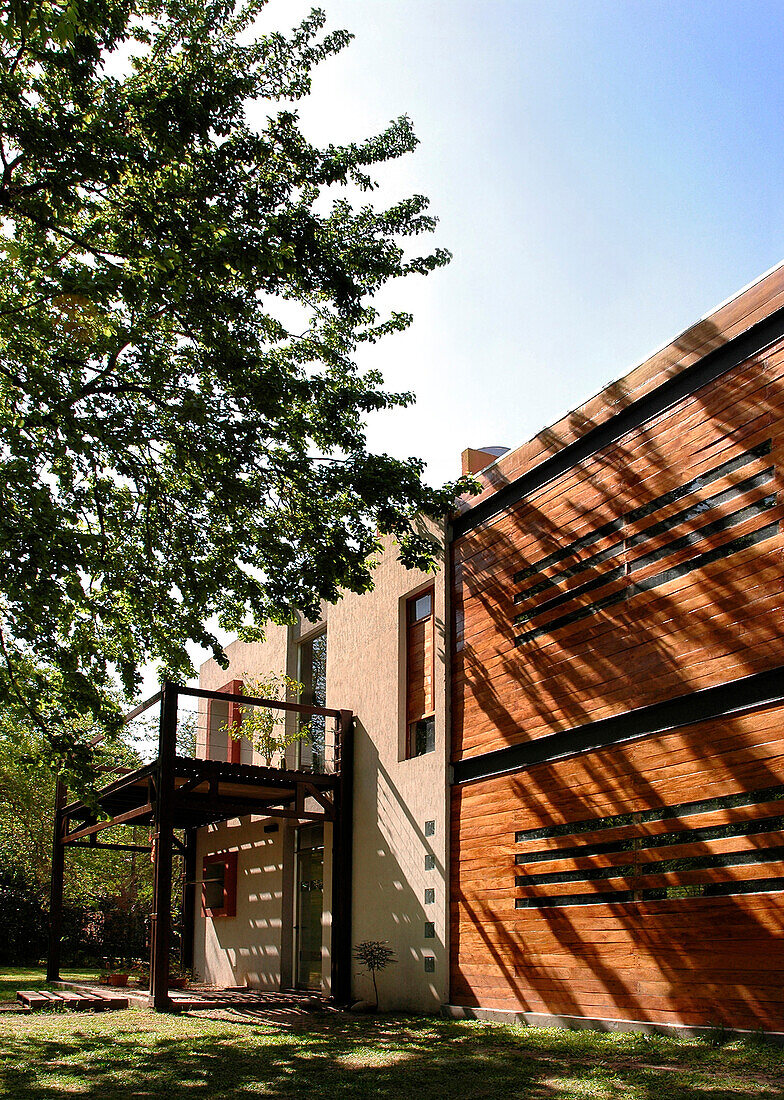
x,y
430,964
430,930
430,896
219,885
430,863
420,607
430,828
422,737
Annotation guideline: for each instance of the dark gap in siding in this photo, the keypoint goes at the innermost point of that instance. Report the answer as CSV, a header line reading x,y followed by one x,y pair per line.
x,y
658,813
676,571
705,862
692,512
661,893
661,840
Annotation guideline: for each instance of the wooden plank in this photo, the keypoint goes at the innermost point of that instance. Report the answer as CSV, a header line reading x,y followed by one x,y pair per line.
x,y
33,998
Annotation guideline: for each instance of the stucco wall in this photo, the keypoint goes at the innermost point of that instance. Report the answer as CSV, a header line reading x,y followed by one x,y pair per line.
x,y
244,949
393,797
395,862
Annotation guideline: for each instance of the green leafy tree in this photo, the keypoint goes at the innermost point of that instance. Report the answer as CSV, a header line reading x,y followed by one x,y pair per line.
x,y
182,299
107,893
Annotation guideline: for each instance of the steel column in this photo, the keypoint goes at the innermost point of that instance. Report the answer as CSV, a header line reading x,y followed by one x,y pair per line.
x,y
56,887
342,842
164,835
188,899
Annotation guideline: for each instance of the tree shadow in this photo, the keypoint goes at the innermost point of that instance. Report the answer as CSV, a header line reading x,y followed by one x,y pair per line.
x,y
388,1057
698,960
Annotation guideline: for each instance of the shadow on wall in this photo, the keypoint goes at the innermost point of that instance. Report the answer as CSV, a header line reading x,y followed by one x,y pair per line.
x,y
388,901
698,959
250,942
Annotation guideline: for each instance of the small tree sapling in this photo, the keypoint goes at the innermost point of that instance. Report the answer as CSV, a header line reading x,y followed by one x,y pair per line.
x,y
375,955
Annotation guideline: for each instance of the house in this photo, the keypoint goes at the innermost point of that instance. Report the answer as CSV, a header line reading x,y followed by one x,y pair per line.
x,y
575,813
565,797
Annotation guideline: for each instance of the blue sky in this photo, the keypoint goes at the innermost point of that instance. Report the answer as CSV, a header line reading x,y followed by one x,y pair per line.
x,y
604,173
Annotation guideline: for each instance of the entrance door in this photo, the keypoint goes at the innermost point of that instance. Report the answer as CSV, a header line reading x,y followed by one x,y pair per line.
x,y
310,905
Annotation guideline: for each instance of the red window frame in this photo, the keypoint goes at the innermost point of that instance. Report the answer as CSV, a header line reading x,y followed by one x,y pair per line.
x,y
233,744
229,906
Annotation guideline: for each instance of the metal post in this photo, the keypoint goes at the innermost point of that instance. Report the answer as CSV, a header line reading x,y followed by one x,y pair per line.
x,y
56,888
342,840
188,899
163,839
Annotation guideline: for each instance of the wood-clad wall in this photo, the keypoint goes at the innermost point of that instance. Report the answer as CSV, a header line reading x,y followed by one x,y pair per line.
x,y
649,571
697,960
712,624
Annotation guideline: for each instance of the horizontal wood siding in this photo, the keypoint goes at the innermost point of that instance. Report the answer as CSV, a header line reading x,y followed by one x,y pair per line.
x,y
698,601
695,960
642,881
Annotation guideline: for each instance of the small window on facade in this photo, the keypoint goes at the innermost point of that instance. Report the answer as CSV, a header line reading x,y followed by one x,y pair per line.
x,y
422,736
421,607
420,693
219,885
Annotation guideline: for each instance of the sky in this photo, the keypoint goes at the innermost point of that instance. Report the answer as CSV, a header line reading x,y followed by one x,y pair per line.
x,y
605,173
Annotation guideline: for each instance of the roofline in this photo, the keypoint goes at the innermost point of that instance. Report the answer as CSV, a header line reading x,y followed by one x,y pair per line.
x,y
618,398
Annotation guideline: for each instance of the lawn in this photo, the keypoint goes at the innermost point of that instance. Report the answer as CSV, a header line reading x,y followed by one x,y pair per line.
x,y
136,1054
34,977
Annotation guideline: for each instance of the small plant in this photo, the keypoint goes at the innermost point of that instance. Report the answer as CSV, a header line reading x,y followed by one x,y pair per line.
x,y
259,724
375,955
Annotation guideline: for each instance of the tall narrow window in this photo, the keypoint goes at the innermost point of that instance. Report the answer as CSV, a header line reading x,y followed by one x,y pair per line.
x,y
420,694
313,677
224,720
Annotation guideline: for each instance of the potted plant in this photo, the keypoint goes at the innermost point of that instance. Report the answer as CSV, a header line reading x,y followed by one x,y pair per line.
x,y
179,976
114,973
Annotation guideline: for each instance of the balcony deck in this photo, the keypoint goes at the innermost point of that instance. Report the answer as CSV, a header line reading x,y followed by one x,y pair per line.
x,y
176,793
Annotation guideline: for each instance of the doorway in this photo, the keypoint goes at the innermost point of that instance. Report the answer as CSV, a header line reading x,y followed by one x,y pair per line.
x,y
310,906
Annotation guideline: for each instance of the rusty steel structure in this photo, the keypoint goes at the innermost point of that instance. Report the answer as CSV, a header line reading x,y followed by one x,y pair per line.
x,y
178,795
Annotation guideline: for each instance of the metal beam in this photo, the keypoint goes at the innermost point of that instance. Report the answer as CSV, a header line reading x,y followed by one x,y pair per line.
x,y
342,842
98,827
254,701
188,900
113,847
707,369
761,689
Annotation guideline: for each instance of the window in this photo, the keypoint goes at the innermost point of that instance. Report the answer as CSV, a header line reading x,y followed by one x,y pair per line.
x,y
219,885
313,677
223,716
420,695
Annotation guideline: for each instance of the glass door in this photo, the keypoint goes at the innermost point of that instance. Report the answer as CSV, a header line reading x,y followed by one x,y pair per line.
x,y
310,905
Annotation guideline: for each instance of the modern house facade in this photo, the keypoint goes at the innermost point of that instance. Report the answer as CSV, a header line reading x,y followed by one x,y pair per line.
x,y
568,786
383,655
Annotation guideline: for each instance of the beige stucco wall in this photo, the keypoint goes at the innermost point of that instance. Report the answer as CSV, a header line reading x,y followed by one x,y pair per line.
x,y
393,800
393,797
244,949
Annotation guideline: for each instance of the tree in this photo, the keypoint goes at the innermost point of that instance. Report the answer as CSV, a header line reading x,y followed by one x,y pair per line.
x,y
375,956
182,300
106,892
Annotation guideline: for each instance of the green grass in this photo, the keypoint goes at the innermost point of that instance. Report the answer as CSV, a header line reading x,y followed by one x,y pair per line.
x,y
34,977
137,1054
